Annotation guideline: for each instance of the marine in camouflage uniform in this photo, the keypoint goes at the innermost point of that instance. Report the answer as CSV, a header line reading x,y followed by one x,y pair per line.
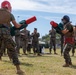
x,y
69,40
35,42
24,39
5,38
52,34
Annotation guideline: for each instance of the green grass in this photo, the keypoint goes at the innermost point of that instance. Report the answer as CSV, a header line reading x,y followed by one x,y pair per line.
x,y
44,65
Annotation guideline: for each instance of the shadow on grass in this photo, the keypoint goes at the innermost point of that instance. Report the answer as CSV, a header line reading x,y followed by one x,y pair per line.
x,y
26,64
38,56
42,56
7,61
73,66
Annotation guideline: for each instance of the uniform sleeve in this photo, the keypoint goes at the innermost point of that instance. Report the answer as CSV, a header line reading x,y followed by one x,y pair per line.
x,y
50,32
38,35
12,17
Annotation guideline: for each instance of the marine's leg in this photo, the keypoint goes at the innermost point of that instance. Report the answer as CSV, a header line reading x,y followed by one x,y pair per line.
x,y
10,45
54,45
1,48
67,56
17,44
50,49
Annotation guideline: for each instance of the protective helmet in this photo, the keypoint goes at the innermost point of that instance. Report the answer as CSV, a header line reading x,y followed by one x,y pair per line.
x,y
6,4
66,18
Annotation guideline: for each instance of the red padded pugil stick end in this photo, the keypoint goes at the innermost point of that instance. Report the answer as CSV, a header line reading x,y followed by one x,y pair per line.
x,y
30,20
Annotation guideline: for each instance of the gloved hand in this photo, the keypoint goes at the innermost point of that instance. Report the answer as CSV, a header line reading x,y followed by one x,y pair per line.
x,y
60,28
12,29
60,25
23,23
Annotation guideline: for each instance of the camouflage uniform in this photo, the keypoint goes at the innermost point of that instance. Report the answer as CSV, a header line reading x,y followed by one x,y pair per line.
x,y
35,43
69,40
17,40
29,45
73,50
62,42
52,34
24,40
5,36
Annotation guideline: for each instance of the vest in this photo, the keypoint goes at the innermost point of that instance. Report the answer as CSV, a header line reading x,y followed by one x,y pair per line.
x,y
5,17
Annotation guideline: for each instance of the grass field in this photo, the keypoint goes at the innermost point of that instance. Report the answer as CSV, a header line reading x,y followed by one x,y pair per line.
x,y
43,65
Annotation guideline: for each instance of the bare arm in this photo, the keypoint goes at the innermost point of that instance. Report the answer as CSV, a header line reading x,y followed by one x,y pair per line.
x,y
16,24
65,31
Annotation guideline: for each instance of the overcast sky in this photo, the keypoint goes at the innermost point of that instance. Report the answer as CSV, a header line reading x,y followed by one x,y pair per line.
x,y
44,10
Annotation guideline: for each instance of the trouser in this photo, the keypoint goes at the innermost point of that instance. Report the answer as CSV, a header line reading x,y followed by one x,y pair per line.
x,y
53,45
73,49
24,46
3,49
29,48
40,48
17,39
6,39
36,48
66,53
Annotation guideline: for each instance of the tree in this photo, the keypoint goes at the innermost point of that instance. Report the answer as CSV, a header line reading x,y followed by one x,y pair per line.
x,y
46,38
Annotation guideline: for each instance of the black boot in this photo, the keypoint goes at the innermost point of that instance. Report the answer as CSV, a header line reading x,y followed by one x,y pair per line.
x,y
66,63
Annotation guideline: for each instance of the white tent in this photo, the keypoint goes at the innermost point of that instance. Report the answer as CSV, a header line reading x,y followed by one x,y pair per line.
x,y
41,42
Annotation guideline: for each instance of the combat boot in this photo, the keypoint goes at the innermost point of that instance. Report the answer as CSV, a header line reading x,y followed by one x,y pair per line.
x,y
55,53
39,55
20,72
66,65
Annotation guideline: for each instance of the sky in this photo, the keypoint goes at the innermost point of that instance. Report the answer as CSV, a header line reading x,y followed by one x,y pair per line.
x,y
45,11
